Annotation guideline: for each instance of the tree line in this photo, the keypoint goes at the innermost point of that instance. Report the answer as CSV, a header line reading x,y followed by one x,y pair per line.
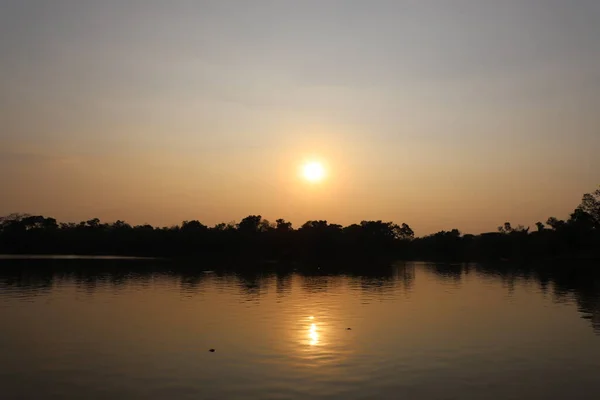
x,y
256,238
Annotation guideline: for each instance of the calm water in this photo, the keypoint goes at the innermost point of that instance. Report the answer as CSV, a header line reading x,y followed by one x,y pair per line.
x,y
420,331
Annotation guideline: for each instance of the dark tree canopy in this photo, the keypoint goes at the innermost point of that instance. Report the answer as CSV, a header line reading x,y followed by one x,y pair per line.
x,y
590,205
256,238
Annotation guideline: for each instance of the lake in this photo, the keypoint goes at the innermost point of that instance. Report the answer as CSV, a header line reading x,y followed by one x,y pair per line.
x,y
417,331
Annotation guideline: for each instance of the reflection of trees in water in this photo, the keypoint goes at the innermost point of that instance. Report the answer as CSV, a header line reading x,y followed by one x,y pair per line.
x,y
404,273
87,284
564,283
577,283
33,284
192,283
84,275
90,281
120,279
544,283
582,284
589,306
384,283
283,284
252,285
505,274
314,284
445,271
375,287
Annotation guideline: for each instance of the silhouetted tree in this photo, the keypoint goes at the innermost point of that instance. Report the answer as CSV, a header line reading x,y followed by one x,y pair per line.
x,y
256,238
590,204
193,226
506,228
283,226
250,224
405,232
556,224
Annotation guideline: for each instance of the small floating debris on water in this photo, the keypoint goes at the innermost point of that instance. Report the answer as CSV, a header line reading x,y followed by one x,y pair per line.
x,y
212,350
348,329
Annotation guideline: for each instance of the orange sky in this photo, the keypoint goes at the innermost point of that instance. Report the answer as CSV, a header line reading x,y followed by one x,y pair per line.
x,y
462,116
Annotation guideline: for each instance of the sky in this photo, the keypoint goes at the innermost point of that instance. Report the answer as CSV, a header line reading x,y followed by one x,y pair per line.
x,y
440,114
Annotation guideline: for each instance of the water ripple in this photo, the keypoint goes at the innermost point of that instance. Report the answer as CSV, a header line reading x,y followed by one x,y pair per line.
x,y
423,331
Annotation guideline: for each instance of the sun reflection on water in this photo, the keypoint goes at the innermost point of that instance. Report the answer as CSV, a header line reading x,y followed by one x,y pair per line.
x,y
313,335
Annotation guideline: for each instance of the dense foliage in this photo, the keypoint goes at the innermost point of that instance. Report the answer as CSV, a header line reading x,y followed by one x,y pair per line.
x,y
256,238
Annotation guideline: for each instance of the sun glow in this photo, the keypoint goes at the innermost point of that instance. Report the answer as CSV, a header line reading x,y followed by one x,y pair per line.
x,y
313,171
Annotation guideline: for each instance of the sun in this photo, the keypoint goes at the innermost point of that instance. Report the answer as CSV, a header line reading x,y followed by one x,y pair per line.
x,y
313,171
